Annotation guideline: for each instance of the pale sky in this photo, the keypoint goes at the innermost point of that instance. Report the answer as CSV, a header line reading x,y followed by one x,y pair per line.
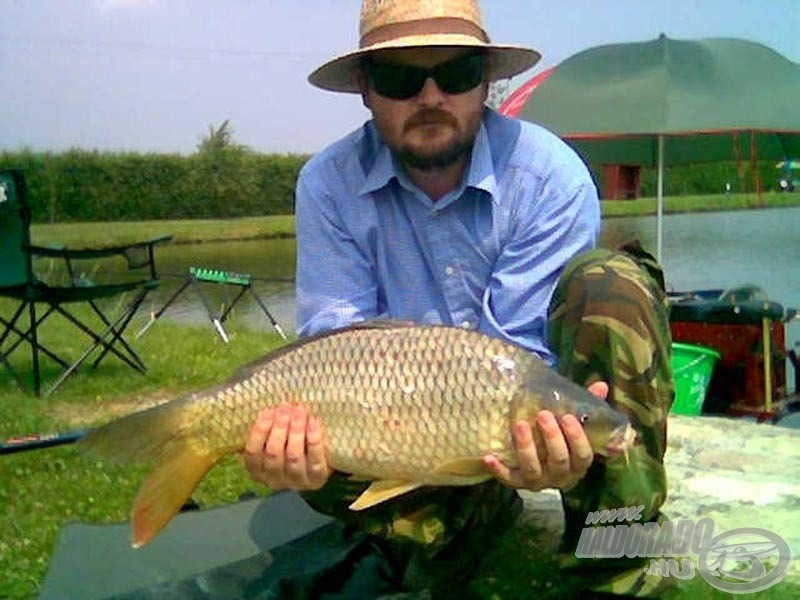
x,y
153,75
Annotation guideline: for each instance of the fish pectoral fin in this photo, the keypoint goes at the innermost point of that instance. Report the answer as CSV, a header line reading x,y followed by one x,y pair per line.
x,y
381,491
467,468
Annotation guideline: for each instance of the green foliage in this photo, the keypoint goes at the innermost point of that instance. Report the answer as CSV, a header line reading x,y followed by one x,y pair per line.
x,y
707,178
224,179
221,180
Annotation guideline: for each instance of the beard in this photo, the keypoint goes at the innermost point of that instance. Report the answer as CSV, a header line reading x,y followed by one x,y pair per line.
x,y
441,159
438,158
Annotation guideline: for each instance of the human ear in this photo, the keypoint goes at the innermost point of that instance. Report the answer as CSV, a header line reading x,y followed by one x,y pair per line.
x,y
365,92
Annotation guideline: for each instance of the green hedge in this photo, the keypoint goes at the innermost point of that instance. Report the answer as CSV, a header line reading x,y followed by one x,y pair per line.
x,y
81,185
707,178
227,180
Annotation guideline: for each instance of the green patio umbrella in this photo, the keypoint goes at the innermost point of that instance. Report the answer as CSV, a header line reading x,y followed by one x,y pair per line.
x,y
668,102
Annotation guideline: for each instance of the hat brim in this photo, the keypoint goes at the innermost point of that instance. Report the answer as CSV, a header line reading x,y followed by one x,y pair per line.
x,y
342,73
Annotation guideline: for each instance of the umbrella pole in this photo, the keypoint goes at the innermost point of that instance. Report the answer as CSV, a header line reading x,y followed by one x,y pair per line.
x,y
660,198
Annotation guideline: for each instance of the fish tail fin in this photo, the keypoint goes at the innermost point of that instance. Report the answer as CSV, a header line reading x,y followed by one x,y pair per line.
x,y
165,489
164,436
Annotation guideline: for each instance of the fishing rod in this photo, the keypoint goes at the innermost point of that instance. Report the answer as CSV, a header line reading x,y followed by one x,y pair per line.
x,y
37,441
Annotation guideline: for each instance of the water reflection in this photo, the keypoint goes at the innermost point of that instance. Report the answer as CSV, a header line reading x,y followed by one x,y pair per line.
x,y
726,249
270,263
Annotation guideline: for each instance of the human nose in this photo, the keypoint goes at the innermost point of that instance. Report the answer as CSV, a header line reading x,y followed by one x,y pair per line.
x,y
430,94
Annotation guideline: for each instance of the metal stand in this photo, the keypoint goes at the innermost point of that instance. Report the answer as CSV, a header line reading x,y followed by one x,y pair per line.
x,y
198,275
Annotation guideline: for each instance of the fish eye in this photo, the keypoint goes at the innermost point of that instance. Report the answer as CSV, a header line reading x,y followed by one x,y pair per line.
x,y
583,418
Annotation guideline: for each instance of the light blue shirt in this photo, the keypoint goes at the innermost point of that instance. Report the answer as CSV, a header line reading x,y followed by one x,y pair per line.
x,y
371,244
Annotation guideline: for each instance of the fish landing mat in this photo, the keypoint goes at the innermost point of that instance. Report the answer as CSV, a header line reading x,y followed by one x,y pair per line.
x,y
213,553
259,549
277,547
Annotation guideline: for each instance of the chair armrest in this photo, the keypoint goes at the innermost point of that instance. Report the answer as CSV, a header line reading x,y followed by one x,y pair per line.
x,y
61,251
137,254
49,250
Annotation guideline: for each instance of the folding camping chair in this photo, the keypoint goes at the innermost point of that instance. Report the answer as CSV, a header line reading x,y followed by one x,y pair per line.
x,y
199,275
26,291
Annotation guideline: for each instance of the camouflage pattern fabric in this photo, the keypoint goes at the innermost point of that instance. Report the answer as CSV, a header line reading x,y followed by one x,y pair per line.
x,y
608,322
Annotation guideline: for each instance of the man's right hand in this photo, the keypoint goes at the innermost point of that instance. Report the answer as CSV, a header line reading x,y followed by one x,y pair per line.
x,y
286,449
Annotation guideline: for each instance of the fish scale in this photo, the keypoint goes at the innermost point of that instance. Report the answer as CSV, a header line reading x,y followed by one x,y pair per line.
x,y
403,405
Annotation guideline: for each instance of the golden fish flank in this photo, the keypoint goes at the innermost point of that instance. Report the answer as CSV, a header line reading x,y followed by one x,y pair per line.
x,y
404,405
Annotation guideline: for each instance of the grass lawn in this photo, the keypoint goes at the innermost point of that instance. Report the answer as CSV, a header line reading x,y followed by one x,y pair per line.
x,y
184,232
680,204
43,489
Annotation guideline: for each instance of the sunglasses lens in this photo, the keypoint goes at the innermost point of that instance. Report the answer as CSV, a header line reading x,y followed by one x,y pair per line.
x,y
397,81
460,75
401,82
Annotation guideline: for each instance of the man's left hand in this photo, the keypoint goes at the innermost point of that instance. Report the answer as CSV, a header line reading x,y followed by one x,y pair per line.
x,y
561,462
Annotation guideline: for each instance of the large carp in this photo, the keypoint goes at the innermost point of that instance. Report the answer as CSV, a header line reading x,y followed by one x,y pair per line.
x,y
404,405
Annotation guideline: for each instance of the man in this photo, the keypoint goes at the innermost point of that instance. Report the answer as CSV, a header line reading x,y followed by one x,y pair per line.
x,y
439,210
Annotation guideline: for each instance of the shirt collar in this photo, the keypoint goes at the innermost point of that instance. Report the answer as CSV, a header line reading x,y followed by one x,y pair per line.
x,y
480,174
481,169
382,170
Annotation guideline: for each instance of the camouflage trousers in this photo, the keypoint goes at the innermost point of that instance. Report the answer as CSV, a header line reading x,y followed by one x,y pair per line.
x,y
608,322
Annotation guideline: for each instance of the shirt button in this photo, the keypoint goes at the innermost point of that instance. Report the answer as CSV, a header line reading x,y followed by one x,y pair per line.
x,y
449,270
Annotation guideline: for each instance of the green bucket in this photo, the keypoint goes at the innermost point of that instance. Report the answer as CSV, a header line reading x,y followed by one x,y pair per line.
x,y
692,367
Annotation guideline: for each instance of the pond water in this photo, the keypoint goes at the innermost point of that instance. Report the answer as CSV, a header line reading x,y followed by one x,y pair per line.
x,y
701,250
270,263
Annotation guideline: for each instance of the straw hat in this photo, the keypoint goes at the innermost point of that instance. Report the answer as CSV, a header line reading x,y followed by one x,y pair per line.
x,y
413,23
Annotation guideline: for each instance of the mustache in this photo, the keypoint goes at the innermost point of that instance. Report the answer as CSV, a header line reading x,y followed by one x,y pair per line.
x,y
430,116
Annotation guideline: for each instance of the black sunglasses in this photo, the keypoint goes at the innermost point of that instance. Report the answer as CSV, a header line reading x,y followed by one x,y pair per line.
x,y
401,82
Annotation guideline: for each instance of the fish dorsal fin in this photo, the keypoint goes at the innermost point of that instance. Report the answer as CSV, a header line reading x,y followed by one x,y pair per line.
x,y
384,324
248,369
381,491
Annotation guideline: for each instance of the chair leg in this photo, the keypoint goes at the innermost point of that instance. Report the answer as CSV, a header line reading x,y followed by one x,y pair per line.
x,y
118,328
114,329
99,340
10,369
31,337
27,336
37,377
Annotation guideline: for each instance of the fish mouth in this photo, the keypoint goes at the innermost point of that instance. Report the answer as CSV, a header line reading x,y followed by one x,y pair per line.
x,y
621,440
